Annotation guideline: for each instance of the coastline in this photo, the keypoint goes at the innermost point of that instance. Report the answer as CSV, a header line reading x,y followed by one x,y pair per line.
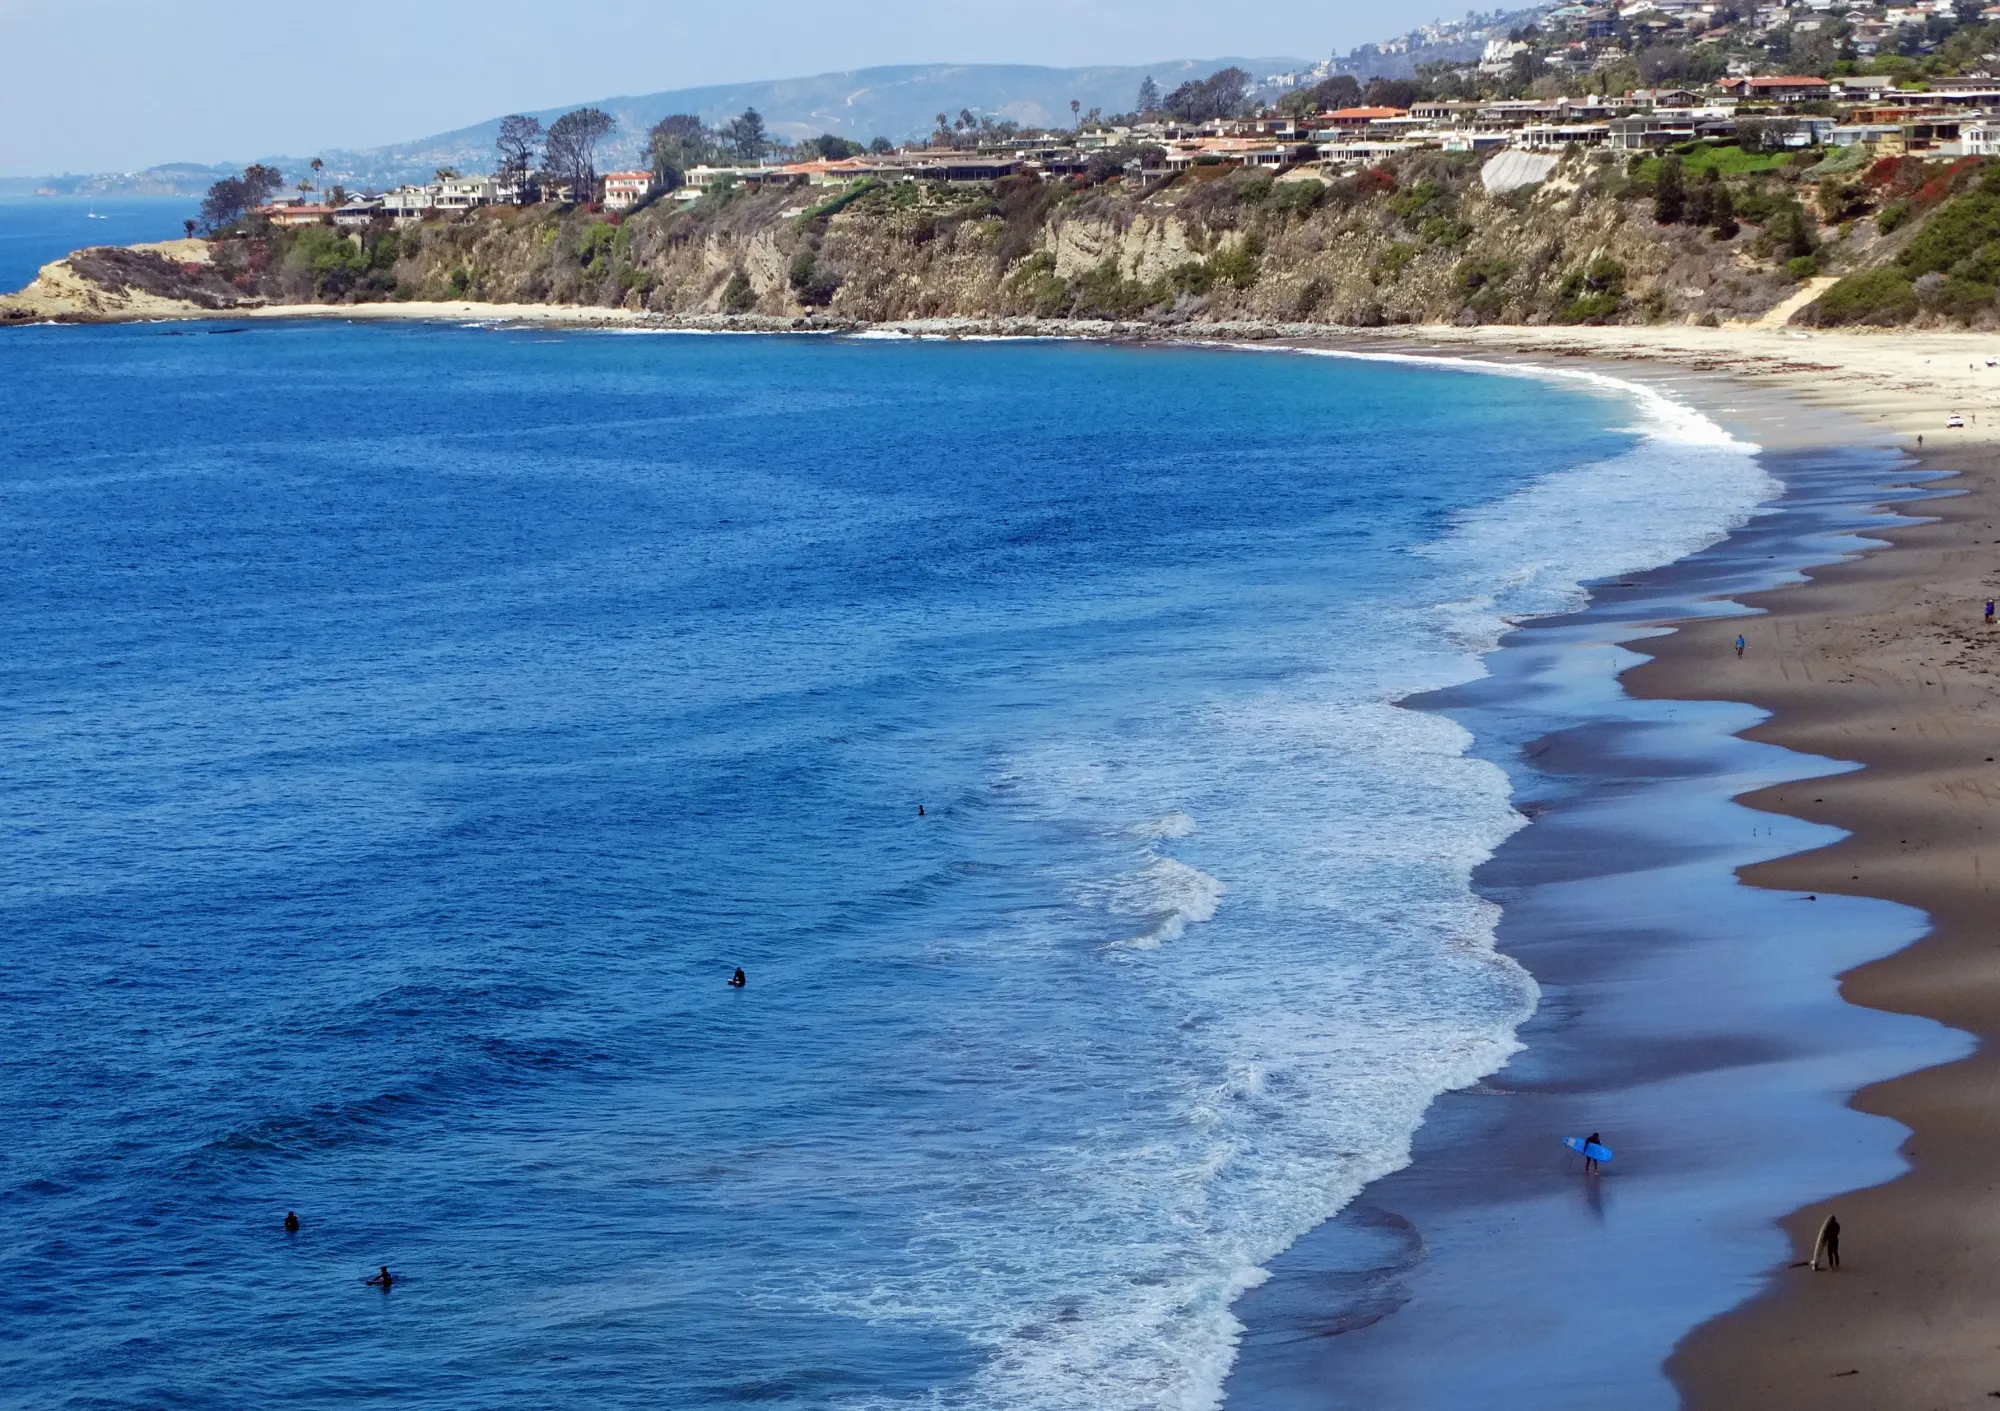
x,y
1865,659
1890,379
1691,1018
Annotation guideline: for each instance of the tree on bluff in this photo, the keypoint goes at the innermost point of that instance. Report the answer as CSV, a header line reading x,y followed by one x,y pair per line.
x,y
1217,96
745,136
572,149
519,138
234,197
678,142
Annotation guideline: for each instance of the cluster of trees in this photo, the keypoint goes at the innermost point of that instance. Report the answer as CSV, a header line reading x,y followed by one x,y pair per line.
x,y
1220,95
567,147
1704,202
234,197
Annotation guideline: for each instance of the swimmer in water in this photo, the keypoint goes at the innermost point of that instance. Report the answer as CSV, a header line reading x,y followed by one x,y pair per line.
x,y
291,1222
737,981
920,810
383,1280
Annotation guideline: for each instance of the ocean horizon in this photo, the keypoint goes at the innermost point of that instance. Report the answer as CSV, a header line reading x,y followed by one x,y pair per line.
x,y
415,726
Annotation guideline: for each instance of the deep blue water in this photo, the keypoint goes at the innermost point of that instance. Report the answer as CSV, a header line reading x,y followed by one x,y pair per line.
x,y
37,229
408,729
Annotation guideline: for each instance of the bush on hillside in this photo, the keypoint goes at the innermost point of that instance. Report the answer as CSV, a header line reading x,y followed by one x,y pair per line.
x,y
1876,296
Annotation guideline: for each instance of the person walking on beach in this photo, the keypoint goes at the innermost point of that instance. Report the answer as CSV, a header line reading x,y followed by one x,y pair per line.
x,y
1832,1243
1989,612
1590,1166
1740,644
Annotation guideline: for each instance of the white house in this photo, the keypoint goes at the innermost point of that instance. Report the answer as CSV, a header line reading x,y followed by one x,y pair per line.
x,y
625,189
409,202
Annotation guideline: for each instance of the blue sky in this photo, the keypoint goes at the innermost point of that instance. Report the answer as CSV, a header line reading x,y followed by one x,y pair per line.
x,y
112,85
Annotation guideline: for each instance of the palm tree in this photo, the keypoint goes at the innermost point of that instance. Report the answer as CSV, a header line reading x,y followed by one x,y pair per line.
x,y
1076,107
318,166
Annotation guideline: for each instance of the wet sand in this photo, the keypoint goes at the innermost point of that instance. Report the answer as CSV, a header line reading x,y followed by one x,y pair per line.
x,y
1885,661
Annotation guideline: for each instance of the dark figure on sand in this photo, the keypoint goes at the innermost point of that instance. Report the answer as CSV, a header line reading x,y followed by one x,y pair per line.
x,y
1590,1166
383,1280
737,981
1832,1243
1740,644
1989,612
291,1222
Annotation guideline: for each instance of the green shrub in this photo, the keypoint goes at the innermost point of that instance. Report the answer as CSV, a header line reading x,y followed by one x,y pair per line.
x,y
1477,274
1960,228
1802,266
1413,201
1876,296
1448,232
1297,198
1893,215
1394,260
812,282
737,295
1961,299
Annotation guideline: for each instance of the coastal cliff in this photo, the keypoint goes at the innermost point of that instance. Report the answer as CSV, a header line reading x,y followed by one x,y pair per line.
x,y
1714,236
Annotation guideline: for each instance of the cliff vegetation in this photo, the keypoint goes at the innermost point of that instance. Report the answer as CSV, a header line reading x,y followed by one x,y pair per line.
x,y
1709,233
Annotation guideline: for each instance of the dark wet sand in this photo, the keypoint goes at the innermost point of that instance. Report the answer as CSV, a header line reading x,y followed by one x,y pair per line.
x,y
1691,1018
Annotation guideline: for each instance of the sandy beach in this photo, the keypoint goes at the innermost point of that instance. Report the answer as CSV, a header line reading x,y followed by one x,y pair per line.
x,y
1882,660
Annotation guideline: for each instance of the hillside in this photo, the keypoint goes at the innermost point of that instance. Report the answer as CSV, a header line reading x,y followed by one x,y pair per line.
x,y
896,102
1420,240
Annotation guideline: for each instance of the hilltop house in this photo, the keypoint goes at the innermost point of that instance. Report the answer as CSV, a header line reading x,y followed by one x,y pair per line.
x,y
625,189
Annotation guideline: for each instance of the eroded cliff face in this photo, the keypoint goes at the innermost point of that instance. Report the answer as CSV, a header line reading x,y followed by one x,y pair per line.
x,y
1422,242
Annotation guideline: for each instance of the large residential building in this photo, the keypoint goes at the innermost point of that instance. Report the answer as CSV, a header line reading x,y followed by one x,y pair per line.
x,y
625,189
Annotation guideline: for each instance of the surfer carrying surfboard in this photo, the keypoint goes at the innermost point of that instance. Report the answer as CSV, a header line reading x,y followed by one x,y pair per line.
x,y
1828,1244
1590,1166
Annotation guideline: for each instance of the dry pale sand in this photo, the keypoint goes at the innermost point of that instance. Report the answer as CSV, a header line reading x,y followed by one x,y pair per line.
x,y
1884,660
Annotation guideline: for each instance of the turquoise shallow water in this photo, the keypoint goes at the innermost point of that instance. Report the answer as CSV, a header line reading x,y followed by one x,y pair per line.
x,y
410,728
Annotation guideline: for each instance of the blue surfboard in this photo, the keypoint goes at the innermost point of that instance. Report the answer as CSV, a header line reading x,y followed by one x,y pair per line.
x,y
1590,1149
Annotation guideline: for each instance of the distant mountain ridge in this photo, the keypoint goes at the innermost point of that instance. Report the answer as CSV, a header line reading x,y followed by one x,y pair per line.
x,y
898,101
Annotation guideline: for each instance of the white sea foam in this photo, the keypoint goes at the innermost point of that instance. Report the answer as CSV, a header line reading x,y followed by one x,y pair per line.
x,y
1319,961
1164,896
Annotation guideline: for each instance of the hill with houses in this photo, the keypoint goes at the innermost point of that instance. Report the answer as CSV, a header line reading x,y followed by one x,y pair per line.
x,y
1658,160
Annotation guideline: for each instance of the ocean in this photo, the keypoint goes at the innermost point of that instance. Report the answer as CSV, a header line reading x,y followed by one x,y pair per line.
x,y
411,728
37,229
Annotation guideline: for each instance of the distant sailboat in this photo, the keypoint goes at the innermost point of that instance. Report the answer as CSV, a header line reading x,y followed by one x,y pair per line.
x,y
93,215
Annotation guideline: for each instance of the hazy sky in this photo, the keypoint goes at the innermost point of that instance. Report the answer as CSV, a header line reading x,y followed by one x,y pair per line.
x,y
113,85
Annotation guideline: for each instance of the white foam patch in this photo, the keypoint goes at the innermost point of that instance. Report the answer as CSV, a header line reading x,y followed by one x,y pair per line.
x,y
1163,896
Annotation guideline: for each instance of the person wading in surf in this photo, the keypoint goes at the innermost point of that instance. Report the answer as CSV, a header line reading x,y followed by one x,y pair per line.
x,y
1590,1166
383,1280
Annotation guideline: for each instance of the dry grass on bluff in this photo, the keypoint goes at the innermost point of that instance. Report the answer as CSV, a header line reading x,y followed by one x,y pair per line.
x,y
1706,234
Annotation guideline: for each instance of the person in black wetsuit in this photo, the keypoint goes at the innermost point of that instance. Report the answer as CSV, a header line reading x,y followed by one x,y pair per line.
x,y
1590,1166
383,1280
291,1222
737,981
1832,1242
